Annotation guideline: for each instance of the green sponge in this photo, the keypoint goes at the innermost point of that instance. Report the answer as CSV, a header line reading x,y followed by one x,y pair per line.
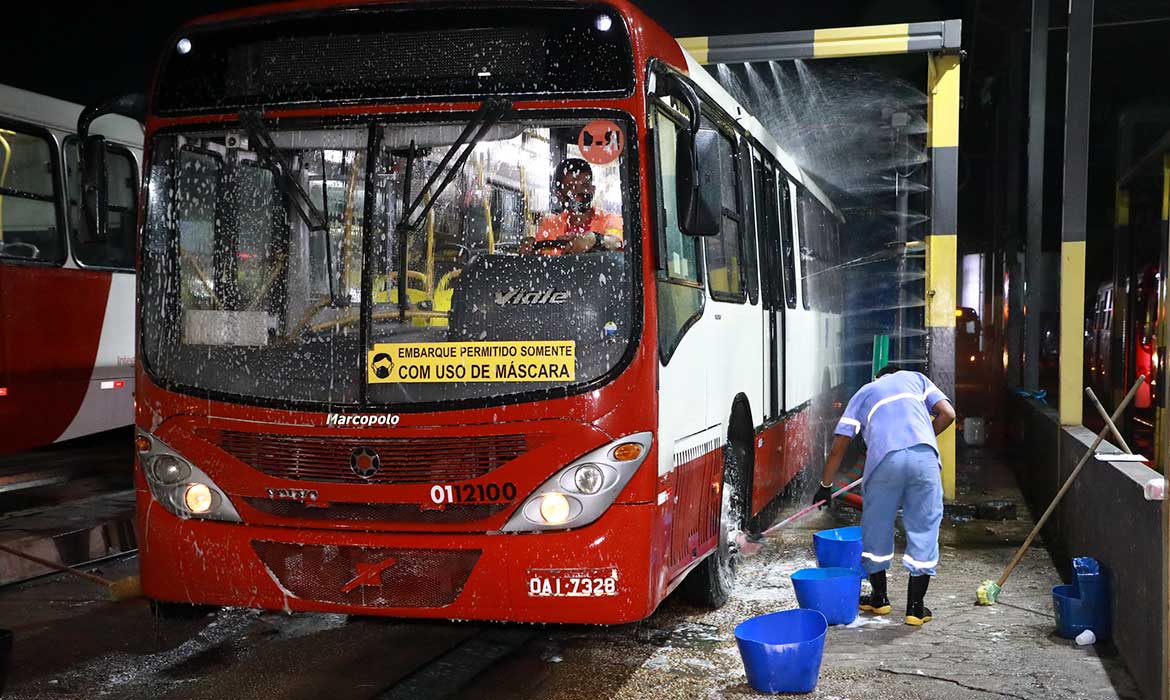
x,y
987,593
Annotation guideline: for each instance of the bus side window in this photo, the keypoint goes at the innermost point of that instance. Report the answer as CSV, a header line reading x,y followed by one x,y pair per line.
x,y
787,242
29,229
770,242
810,231
748,229
724,257
835,258
680,291
679,249
117,250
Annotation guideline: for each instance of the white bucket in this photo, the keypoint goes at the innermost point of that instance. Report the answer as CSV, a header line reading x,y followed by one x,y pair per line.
x,y
974,432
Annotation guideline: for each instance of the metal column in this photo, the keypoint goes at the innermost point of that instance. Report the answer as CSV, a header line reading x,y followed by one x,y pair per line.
x,y
1008,307
942,243
1037,119
1164,342
1073,210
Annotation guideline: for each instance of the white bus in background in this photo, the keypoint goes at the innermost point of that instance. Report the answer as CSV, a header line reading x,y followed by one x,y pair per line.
x,y
66,295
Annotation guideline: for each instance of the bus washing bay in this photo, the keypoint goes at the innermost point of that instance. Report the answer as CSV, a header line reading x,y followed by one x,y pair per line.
x,y
466,311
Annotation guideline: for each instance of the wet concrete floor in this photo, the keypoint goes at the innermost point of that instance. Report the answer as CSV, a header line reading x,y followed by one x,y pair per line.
x,y
72,644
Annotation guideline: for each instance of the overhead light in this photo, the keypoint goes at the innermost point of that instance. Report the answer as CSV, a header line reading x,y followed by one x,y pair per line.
x,y
184,46
604,23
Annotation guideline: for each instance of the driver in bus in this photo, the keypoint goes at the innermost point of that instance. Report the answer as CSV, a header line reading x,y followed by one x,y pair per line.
x,y
579,227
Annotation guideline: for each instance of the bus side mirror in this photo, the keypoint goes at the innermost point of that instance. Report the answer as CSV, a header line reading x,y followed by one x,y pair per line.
x,y
94,188
699,185
92,154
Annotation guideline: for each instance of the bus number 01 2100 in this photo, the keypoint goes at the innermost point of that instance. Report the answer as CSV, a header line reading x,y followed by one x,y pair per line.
x,y
473,493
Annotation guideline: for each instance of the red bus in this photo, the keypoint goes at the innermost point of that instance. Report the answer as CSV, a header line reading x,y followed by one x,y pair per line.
x,y
1139,351
467,311
66,291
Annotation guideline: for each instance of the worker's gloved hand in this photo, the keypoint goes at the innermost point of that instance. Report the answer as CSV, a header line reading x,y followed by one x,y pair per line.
x,y
824,493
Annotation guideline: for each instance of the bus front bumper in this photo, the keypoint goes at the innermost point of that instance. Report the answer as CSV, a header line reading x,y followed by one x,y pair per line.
x,y
601,573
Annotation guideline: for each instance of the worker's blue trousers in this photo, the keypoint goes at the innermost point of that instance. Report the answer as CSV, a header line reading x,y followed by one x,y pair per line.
x,y
909,479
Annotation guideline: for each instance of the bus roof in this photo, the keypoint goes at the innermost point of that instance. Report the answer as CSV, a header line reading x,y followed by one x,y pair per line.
x,y
656,37
49,112
752,125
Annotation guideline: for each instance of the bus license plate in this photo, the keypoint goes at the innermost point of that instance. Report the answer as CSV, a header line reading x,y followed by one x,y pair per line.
x,y
572,583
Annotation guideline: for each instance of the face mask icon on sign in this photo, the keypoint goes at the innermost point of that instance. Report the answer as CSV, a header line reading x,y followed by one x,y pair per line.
x,y
382,364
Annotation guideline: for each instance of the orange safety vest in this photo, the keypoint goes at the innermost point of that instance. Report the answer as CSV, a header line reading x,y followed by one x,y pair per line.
x,y
555,227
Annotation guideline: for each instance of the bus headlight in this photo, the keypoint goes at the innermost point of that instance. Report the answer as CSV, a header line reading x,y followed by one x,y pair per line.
x,y
198,498
579,493
555,508
169,469
179,486
588,479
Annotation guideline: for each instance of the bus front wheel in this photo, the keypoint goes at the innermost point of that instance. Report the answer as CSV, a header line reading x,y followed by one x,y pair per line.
x,y
710,584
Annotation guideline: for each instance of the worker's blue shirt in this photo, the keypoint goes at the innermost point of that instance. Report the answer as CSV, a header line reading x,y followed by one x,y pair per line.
x,y
892,413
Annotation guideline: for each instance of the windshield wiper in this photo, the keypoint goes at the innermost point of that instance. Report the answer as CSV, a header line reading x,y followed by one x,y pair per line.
x,y
488,115
260,140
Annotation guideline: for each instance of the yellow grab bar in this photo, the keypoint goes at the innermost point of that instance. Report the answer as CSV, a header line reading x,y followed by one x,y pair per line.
x,y
4,175
487,207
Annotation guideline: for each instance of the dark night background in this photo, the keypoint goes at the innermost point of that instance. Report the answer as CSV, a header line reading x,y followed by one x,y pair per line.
x,y
101,49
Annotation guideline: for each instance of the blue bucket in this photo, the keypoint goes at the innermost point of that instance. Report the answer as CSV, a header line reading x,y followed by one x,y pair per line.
x,y
782,651
839,547
1083,605
833,591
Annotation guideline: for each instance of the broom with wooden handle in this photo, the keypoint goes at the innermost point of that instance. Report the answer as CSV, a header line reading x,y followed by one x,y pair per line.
x,y
988,591
122,589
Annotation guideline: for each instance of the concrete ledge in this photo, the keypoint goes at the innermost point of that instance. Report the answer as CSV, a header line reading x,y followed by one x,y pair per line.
x,y
1104,515
71,534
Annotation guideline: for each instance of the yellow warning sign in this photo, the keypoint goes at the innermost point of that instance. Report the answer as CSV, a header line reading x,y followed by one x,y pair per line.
x,y
492,361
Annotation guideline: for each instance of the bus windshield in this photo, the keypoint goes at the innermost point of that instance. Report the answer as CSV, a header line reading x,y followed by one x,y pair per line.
x,y
517,278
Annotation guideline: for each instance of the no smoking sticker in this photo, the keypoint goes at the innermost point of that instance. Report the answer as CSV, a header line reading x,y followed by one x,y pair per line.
x,y
601,142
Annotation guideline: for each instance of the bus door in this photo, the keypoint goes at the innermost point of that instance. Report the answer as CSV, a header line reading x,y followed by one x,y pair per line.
x,y
773,296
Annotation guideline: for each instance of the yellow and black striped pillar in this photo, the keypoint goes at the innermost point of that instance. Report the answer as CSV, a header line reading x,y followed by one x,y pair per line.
x,y
942,243
839,42
1074,227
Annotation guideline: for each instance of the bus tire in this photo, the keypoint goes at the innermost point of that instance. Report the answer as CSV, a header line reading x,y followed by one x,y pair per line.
x,y
180,612
709,585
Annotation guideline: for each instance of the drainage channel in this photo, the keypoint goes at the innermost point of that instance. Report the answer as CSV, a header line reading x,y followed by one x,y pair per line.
x,y
452,671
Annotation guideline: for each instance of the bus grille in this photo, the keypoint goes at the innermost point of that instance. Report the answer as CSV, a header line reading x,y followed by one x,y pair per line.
x,y
369,577
423,460
452,514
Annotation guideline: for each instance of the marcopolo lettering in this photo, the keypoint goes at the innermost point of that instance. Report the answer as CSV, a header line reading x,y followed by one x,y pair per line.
x,y
519,297
361,419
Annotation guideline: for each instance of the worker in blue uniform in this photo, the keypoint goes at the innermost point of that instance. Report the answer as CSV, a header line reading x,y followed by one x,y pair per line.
x,y
899,414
